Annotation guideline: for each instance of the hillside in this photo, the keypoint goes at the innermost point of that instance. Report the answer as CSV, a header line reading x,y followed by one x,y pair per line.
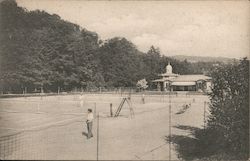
x,y
194,59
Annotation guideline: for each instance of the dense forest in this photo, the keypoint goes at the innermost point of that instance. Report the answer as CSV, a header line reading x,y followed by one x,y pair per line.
x,y
42,51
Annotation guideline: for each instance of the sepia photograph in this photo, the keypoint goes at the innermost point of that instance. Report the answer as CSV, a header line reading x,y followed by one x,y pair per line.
x,y
124,80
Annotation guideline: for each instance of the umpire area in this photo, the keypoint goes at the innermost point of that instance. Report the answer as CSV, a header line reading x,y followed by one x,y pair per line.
x,y
54,127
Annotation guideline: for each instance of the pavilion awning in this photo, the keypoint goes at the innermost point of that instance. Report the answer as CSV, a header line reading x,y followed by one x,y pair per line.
x,y
183,83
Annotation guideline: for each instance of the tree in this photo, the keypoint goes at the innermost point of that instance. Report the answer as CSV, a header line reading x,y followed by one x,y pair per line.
x,y
120,62
142,84
230,107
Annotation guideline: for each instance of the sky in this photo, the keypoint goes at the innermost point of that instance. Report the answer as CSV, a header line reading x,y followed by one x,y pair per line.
x,y
192,28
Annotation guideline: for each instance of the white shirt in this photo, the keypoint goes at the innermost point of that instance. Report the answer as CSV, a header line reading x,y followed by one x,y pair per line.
x,y
90,117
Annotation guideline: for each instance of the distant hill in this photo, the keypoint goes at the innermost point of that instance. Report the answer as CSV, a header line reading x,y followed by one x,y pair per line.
x,y
203,59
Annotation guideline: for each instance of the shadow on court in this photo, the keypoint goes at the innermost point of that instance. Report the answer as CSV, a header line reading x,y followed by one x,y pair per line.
x,y
202,145
85,134
199,145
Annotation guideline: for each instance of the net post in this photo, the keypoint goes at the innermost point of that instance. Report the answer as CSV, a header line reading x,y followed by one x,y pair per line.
x,y
97,142
111,110
38,106
58,90
204,114
95,108
169,127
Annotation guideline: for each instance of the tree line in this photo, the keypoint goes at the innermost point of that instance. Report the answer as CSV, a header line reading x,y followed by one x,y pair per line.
x,y
40,50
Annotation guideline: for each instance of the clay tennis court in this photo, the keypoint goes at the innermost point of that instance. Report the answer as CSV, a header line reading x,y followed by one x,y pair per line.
x,y
53,127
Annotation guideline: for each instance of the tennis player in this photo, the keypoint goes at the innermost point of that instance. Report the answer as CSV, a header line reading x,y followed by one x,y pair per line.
x,y
90,118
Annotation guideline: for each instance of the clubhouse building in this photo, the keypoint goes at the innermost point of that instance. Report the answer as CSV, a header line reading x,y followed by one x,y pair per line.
x,y
170,81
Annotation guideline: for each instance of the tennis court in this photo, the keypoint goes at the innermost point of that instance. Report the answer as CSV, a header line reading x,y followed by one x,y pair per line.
x,y
53,127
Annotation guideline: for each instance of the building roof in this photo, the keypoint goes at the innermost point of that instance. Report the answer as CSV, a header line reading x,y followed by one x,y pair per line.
x,y
191,78
183,83
184,78
169,74
164,79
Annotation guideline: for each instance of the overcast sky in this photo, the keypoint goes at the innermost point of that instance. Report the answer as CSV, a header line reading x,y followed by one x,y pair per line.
x,y
211,28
